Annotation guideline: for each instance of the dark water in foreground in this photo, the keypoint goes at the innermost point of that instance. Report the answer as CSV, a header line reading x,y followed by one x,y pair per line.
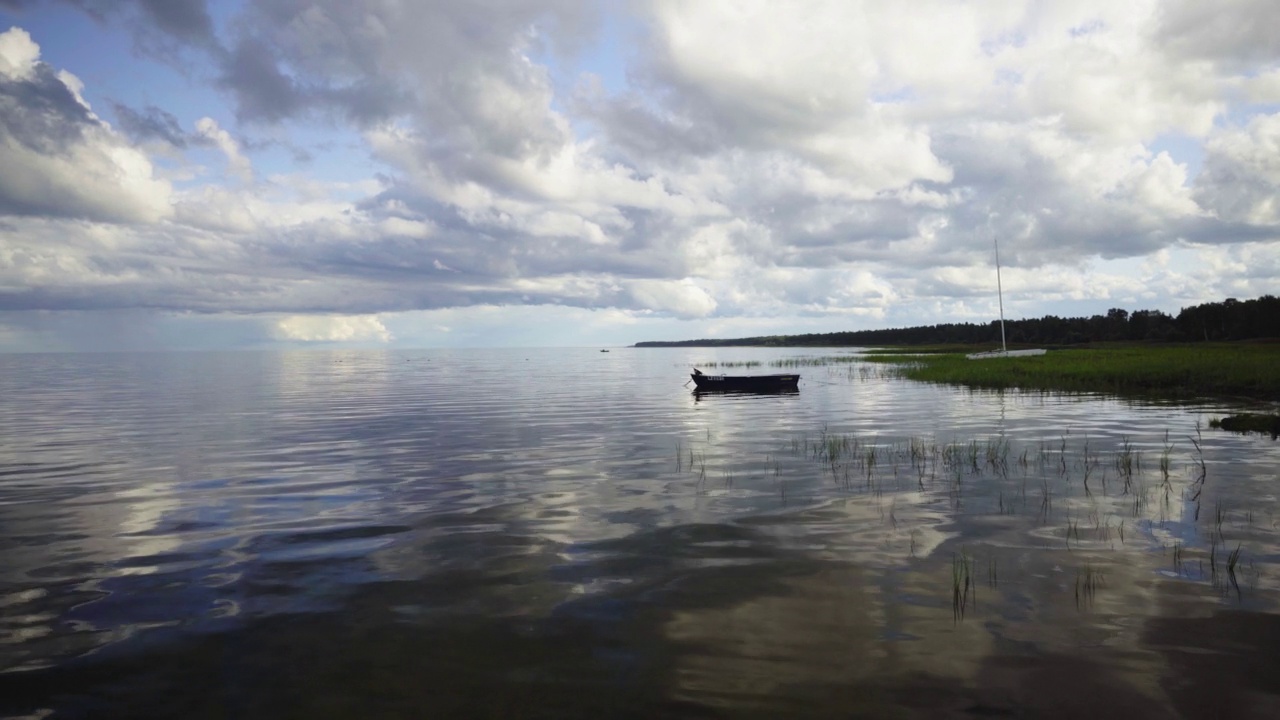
x,y
569,533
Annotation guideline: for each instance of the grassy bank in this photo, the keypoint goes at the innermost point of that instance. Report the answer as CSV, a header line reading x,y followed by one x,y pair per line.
x,y
1237,369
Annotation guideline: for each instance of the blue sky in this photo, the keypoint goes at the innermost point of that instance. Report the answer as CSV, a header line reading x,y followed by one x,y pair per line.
x,y
183,174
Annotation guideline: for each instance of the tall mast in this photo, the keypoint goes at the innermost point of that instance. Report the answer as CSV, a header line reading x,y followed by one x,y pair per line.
x,y
1000,291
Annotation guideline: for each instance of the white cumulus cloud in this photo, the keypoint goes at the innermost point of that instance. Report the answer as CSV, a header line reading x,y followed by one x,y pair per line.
x,y
332,328
57,157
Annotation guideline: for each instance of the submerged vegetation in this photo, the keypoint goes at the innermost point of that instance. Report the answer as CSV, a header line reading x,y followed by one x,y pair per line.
x,y
731,364
1084,509
1077,501
1244,369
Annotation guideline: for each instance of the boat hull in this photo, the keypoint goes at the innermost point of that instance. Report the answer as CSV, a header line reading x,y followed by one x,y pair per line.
x,y
745,383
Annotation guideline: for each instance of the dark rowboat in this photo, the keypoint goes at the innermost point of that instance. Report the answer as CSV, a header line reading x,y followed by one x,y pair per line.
x,y
744,383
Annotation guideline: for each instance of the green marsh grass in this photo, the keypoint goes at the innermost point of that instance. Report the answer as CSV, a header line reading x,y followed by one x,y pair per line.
x,y
798,362
731,364
1243,369
1249,423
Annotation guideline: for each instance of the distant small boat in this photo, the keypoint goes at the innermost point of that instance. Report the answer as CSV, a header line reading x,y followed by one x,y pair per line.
x,y
1004,351
744,383
604,351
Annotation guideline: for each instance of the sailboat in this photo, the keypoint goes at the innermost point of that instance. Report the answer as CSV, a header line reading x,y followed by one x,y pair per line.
x,y
1004,350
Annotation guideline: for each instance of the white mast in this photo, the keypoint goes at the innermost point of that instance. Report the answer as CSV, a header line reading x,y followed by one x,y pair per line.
x,y
1003,352
1000,291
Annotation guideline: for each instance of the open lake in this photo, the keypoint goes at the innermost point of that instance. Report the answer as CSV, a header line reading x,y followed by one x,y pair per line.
x,y
575,534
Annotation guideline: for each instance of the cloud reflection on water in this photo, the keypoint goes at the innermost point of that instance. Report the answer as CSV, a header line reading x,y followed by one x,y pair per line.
x,y
426,529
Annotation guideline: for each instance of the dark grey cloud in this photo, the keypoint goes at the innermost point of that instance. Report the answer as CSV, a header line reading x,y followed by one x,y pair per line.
x,y
480,250
41,113
164,29
364,62
456,70
98,9
276,275
1042,215
270,72
97,330
59,160
251,72
270,86
685,174
301,155
636,130
363,103
1240,180
1217,231
152,123
185,20
1236,33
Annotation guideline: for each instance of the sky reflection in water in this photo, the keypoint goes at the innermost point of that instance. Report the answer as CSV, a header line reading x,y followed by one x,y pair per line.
x,y
568,533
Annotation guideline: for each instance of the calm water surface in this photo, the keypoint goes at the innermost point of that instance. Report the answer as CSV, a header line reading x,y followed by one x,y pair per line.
x,y
569,533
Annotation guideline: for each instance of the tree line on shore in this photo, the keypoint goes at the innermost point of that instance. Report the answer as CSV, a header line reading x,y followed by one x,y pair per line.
x,y
1230,319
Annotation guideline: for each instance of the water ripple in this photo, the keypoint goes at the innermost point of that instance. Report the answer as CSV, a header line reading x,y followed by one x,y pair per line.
x,y
160,498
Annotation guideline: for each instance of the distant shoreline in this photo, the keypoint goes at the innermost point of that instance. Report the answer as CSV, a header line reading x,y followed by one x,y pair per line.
x,y
1242,369
1228,320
